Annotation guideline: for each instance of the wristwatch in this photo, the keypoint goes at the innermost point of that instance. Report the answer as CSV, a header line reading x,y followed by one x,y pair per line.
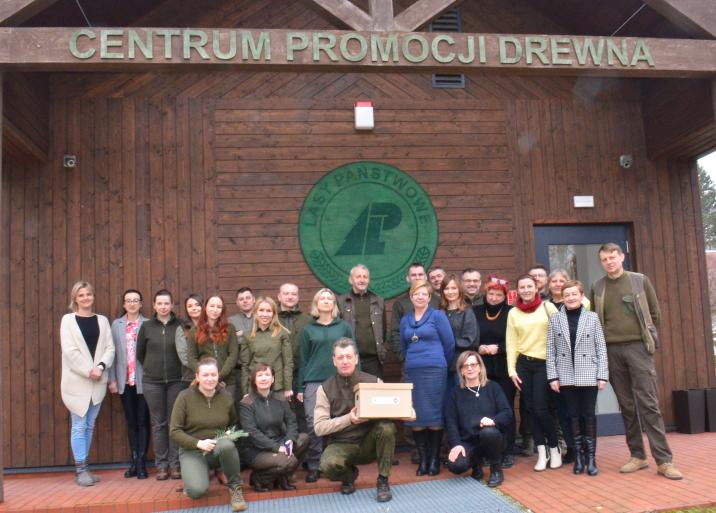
x,y
102,365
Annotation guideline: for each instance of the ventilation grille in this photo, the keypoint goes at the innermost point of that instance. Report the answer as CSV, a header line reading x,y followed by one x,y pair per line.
x,y
450,21
449,81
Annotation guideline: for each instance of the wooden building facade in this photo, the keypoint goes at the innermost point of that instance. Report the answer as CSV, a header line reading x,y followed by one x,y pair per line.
x,y
193,180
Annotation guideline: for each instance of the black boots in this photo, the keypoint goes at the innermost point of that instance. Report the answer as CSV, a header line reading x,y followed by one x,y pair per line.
x,y
421,444
137,466
435,437
590,444
132,470
428,443
578,446
141,466
496,476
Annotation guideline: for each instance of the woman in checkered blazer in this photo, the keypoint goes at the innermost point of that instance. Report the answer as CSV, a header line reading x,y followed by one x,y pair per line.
x,y
577,368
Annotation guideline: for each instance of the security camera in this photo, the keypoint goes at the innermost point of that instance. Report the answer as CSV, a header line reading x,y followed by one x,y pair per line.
x,y
69,161
626,161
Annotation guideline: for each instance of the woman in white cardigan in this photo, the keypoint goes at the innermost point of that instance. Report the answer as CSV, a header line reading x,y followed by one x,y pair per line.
x,y
577,368
87,353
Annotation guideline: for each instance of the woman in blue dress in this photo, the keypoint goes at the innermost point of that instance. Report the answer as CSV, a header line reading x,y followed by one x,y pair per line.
x,y
428,344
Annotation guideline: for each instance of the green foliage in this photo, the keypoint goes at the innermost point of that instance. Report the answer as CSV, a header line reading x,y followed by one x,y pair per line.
x,y
708,208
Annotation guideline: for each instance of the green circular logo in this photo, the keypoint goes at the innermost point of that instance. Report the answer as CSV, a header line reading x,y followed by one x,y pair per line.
x,y
369,213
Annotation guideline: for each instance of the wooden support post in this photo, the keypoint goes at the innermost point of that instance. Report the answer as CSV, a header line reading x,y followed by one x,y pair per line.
x,y
2,406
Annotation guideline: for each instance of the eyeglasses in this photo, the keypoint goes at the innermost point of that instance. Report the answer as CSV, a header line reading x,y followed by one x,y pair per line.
x,y
470,365
132,301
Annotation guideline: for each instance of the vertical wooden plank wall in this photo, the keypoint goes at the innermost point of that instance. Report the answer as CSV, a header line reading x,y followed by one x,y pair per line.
x,y
194,182
3,319
658,200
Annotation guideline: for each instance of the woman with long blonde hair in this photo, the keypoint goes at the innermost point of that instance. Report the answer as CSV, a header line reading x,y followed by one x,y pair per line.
x,y
268,342
87,354
477,417
316,364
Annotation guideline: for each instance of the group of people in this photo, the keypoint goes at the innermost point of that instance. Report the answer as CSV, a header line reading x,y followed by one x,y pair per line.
x,y
286,378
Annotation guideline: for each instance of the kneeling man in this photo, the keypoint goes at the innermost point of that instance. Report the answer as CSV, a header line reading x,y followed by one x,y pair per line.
x,y
351,441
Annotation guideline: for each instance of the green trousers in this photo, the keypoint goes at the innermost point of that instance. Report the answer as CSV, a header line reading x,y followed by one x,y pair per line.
x,y
195,465
339,458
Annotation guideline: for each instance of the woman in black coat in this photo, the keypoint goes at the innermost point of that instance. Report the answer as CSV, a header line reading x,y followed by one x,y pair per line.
x,y
477,417
492,319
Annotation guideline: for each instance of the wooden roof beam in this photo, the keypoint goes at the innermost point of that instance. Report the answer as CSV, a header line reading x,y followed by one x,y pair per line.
x,y
697,17
16,12
380,18
420,13
347,12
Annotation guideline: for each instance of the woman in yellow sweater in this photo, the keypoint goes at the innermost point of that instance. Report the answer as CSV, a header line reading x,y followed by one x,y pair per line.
x,y
526,345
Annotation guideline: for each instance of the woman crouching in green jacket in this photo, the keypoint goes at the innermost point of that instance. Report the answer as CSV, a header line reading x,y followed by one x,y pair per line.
x,y
199,412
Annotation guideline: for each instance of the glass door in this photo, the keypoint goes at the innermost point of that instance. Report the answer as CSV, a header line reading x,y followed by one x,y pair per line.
x,y
574,248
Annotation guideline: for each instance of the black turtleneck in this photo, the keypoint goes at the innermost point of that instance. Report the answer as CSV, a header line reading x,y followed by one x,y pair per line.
x,y
573,320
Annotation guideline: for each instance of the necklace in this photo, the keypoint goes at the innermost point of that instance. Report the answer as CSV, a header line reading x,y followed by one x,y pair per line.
x,y
492,318
476,392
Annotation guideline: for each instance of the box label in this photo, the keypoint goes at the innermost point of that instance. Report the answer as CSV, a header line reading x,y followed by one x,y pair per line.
x,y
386,400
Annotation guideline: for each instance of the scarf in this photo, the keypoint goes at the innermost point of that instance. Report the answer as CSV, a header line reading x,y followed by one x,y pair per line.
x,y
529,307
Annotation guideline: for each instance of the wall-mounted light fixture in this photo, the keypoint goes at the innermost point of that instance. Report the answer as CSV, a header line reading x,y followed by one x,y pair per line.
x,y
364,115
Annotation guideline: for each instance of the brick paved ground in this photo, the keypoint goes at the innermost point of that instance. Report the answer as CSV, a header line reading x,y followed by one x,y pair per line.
x,y
553,491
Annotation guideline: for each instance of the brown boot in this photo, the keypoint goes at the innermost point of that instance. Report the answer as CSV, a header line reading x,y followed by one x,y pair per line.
x,y
163,474
237,498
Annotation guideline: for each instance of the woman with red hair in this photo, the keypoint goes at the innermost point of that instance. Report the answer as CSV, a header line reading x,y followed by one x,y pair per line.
x,y
214,336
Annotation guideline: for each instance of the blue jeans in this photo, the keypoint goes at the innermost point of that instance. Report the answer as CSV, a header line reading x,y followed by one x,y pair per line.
x,y
81,432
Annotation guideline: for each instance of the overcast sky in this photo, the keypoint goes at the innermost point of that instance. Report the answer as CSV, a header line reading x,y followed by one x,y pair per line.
x,y
709,164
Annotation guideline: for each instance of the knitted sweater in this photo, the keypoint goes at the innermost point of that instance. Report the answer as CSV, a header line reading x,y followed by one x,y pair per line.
x,y
317,350
527,334
196,417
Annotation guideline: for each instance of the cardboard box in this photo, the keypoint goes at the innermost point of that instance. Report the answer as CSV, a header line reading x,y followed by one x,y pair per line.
x,y
384,400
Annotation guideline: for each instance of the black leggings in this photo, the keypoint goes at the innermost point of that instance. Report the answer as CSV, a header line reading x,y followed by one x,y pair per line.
x,y
535,390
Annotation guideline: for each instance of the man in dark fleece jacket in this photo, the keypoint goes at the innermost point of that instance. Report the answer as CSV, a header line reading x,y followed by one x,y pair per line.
x,y
351,441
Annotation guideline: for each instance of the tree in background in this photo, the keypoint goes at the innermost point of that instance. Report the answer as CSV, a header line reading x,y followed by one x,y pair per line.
x,y
708,208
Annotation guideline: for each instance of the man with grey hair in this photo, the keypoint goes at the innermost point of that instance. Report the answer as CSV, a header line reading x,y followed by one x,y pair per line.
x,y
350,440
365,312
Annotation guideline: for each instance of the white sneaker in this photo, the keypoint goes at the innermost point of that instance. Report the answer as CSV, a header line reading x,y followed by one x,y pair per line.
x,y
542,458
555,457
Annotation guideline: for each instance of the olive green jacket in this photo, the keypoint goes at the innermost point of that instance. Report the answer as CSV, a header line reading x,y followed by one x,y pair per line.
x,y
226,353
272,350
